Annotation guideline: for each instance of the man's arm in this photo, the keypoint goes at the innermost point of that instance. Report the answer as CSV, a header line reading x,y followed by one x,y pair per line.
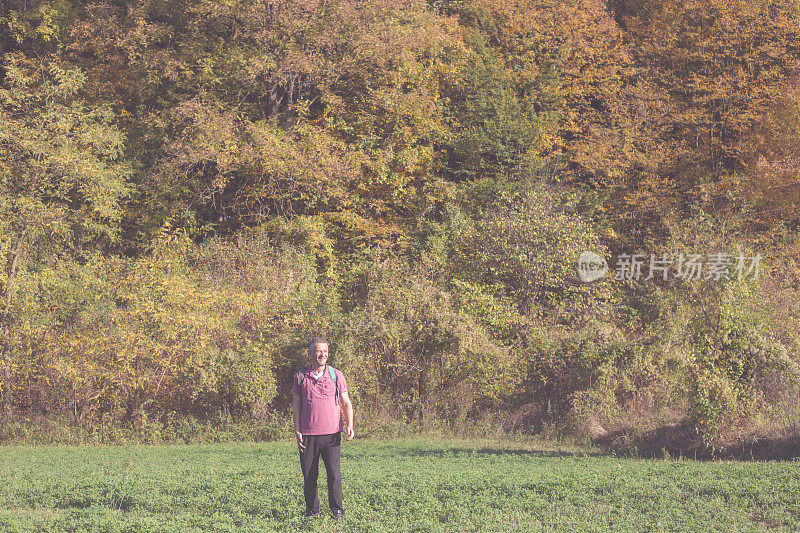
x,y
347,405
297,406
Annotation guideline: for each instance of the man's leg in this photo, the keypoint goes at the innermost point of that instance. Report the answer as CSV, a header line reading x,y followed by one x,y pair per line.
x,y
330,450
309,463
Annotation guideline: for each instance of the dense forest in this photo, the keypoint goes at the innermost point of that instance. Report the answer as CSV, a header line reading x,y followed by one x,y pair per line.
x,y
190,190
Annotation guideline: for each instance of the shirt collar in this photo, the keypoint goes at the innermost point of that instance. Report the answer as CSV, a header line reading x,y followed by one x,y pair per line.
x,y
316,375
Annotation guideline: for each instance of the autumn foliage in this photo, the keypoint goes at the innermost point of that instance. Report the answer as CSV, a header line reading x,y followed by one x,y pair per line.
x,y
190,190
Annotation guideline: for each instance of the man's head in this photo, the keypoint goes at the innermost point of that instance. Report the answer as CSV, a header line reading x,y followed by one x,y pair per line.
x,y
318,352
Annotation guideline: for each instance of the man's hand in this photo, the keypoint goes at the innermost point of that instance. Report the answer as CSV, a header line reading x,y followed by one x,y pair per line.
x,y
300,445
350,433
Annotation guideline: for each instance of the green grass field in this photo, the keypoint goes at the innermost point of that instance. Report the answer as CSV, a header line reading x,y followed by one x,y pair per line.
x,y
396,485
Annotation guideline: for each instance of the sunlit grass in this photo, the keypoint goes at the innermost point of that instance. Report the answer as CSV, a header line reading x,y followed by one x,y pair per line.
x,y
393,485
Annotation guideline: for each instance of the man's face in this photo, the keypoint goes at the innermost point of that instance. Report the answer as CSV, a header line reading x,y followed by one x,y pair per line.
x,y
319,354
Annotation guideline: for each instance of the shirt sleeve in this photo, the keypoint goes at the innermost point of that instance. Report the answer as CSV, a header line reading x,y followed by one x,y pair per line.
x,y
341,382
295,386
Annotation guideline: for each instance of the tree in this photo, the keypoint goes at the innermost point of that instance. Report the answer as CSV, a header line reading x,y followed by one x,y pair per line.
x,y
62,181
717,75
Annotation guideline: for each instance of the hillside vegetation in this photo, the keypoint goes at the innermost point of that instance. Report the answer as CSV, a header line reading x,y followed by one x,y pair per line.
x,y
190,190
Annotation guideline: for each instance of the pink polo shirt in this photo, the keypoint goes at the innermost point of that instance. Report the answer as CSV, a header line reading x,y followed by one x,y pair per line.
x,y
320,415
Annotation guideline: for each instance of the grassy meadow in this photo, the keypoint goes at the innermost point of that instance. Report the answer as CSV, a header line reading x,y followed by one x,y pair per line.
x,y
390,485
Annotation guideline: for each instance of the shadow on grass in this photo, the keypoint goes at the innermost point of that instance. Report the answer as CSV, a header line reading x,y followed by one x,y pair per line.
x,y
681,441
418,452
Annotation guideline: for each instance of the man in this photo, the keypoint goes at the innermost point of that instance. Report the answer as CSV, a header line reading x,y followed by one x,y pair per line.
x,y
318,426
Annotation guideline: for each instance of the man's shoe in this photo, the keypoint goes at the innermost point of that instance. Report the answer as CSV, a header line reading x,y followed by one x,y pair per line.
x,y
310,516
338,515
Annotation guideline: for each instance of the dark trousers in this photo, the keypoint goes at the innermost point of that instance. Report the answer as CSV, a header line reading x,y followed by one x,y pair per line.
x,y
329,447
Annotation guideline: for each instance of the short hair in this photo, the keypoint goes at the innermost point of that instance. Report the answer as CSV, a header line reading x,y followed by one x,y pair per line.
x,y
316,340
